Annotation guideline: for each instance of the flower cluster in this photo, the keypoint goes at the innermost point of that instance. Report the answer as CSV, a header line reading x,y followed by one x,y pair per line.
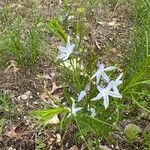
x,y
110,88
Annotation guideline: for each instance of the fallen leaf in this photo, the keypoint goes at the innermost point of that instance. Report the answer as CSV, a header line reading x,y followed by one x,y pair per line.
x,y
74,148
12,66
48,98
25,96
55,87
17,132
11,133
105,148
44,76
44,96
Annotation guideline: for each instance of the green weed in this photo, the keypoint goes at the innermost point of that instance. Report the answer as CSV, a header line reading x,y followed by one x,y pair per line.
x,y
25,50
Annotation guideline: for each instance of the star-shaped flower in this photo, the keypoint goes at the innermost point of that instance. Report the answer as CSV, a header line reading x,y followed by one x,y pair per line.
x,y
105,93
101,73
65,52
74,109
115,83
81,95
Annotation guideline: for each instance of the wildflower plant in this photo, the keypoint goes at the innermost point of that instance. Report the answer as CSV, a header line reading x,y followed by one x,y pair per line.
x,y
93,96
84,92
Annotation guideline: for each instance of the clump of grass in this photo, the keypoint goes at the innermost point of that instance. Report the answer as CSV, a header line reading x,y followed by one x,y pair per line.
x,y
146,140
25,50
137,72
7,107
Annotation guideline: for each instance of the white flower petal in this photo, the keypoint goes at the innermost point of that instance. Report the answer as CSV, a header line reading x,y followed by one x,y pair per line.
x,y
65,57
110,85
110,68
105,77
62,48
114,94
99,88
73,101
115,89
98,78
78,109
81,95
60,56
65,52
117,83
106,101
74,109
97,75
72,48
119,77
101,66
99,96
94,75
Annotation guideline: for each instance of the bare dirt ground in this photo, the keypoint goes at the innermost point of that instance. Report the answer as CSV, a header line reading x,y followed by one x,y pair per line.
x,y
108,34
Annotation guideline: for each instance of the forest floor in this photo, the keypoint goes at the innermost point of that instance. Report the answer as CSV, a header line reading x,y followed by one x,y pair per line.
x,y
23,90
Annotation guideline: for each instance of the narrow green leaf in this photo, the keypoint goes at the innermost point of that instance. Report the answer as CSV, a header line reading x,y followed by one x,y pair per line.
x,y
44,116
57,29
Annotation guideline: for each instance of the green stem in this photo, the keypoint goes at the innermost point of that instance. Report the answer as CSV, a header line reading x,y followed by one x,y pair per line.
x,y
136,102
82,134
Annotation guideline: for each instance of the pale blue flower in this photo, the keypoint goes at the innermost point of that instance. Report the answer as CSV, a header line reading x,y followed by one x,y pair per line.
x,y
74,109
105,93
115,83
101,73
65,52
81,95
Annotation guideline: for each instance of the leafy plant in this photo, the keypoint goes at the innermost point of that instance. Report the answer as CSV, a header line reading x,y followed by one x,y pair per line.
x,y
131,132
82,92
81,106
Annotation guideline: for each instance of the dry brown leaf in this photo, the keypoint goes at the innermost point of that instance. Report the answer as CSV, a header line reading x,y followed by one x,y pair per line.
x,y
105,148
44,76
74,148
53,74
44,96
55,87
17,132
25,96
12,66
11,133
97,45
